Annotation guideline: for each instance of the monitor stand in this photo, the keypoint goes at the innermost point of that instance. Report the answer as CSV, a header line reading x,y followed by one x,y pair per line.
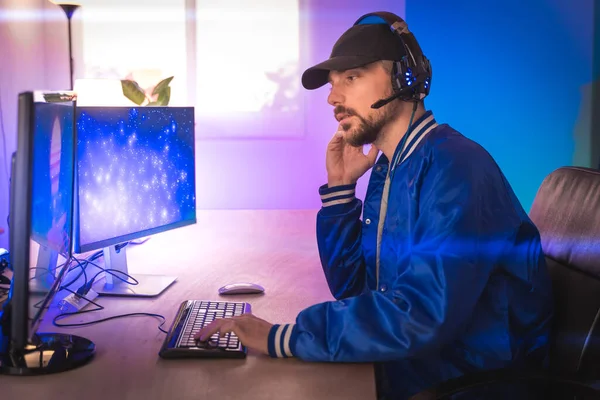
x,y
45,272
49,353
148,286
43,353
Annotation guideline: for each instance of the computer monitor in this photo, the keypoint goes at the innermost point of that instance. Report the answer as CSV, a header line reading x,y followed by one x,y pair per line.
x,y
53,168
135,177
24,350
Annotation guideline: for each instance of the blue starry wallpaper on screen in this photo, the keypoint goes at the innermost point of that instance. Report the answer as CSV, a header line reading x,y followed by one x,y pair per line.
x,y
53,162
136,170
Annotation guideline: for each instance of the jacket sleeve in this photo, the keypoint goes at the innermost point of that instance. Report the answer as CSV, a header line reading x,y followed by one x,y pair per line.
x,y
458,235
339,239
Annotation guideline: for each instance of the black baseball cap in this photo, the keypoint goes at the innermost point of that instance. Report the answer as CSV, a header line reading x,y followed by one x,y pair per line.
x,y
358,46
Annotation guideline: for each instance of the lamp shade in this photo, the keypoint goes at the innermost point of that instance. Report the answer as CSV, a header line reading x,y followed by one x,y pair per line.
x,y
66,3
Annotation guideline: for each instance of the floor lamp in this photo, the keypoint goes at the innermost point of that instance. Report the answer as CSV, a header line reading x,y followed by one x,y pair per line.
x,y
69,8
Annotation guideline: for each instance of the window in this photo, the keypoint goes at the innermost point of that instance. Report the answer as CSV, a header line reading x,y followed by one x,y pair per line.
x,y
144,40
237,62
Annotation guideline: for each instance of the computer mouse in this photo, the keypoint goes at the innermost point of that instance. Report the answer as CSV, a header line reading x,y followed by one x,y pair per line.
x,y
241,288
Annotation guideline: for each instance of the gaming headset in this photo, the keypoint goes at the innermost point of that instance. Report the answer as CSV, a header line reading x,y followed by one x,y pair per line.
x,y
411,76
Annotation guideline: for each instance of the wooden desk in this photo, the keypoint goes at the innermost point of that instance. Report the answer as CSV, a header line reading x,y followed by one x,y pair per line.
x,y
276,249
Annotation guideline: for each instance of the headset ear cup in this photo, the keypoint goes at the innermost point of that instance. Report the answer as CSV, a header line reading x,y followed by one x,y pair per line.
x,y
400,70
397,75
427,83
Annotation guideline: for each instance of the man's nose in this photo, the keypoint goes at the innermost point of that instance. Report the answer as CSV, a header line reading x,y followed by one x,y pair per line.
x,y
335,97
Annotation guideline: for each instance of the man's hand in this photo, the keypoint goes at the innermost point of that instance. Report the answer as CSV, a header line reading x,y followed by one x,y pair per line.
x,y
345,163
252,331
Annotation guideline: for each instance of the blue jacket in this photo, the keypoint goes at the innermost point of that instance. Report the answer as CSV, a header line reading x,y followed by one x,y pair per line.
x,y
458,282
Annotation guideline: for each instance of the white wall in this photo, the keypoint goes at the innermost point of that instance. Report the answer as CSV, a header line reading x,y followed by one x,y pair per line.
x,y
33,56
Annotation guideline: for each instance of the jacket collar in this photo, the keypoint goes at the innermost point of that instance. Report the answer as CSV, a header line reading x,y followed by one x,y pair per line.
x,y
418,130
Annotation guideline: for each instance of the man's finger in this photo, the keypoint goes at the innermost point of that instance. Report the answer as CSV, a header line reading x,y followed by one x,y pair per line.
x,y
372,155
337,138
226,327
349,149
209,330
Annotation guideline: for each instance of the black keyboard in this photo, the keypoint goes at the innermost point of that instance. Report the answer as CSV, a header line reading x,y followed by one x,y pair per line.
x,y
195,314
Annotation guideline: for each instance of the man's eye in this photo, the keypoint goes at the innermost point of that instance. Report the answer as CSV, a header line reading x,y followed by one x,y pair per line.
x,y
351,77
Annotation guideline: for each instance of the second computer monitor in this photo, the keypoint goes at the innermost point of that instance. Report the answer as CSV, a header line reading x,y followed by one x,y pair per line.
x,y
135,175
53,116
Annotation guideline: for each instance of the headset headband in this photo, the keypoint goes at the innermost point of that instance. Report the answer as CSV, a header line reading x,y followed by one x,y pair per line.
x,y
412,75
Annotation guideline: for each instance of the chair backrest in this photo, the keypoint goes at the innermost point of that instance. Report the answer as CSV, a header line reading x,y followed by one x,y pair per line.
x,y
566,211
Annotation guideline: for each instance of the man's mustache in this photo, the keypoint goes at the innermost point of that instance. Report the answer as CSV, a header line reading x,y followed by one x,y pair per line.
x,y
340,112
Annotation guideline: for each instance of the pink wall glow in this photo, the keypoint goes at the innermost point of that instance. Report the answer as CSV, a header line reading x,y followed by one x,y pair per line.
x,y
231,173
284,174
33,56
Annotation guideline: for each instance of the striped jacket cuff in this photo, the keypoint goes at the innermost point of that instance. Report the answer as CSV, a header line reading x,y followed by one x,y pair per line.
x,y
281,340
332,196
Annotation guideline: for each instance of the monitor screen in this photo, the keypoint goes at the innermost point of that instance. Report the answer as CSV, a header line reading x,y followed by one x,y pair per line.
x,y
135,173
53,161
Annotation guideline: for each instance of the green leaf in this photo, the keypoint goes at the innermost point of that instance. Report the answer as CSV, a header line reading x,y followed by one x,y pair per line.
x,y
153,103
162,85
133,91
164,96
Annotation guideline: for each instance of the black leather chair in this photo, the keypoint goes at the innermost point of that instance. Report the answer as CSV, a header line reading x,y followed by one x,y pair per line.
x,y
566,211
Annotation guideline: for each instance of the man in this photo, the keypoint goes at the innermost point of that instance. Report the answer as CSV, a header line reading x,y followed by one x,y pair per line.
x,y
444,275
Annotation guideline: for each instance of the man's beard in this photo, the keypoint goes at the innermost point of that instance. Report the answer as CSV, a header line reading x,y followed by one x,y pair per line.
x,y
368,129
